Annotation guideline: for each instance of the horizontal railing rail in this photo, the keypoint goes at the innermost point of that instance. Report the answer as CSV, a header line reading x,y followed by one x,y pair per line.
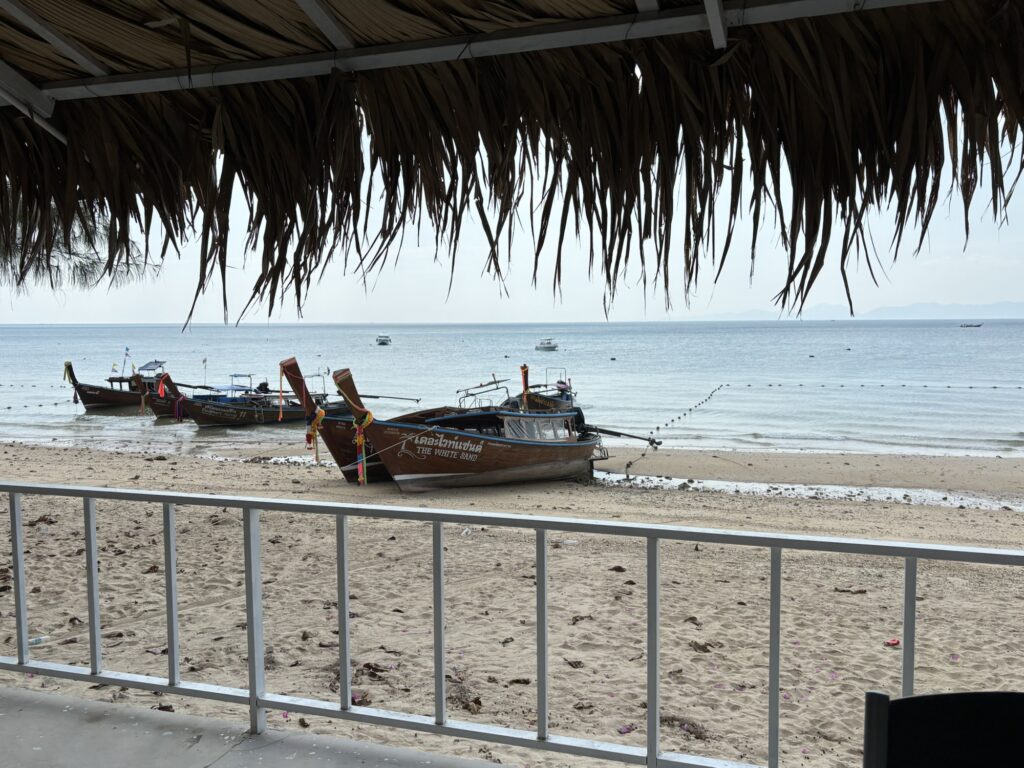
x,y
258,699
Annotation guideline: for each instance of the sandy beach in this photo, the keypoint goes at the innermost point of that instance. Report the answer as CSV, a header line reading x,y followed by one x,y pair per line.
x,y
837,611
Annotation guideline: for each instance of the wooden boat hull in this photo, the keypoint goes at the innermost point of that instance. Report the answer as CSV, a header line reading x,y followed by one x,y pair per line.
x,y
99,398
212,414
162,407
169,407
339,435
422,459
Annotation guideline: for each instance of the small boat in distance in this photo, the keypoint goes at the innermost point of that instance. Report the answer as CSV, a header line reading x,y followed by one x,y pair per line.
x,y
121,392
383,340
971,325
546,345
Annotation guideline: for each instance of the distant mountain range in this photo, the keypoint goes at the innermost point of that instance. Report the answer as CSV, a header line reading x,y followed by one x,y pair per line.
x,y
1003,310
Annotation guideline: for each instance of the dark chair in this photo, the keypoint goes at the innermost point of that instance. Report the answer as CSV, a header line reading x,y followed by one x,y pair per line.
x,y
946,730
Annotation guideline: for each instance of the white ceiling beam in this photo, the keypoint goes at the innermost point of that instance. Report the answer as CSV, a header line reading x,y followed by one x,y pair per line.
x,y
325,20
71,50
716,23
538,38
648,6
21,94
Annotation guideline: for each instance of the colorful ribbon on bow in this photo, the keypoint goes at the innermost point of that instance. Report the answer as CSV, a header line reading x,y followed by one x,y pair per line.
x,y
312,431
360,445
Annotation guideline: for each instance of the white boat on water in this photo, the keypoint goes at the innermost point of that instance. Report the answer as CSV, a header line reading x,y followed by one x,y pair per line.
x,y
546,345
383,341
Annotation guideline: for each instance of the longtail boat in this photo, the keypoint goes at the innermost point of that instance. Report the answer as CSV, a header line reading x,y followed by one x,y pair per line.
x,y
255,406
476,447
339,432
166,400
120,392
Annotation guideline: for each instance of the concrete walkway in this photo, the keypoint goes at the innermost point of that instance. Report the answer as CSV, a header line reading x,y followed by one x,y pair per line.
x,y
40,730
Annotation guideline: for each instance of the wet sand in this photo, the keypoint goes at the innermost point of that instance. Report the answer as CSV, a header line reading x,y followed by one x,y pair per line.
x,y
837,611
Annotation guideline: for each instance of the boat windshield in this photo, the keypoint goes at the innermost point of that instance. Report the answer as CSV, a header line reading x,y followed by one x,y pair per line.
x,y
554,428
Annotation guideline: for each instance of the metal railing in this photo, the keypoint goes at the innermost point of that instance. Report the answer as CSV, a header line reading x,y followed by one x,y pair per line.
x,y
258,700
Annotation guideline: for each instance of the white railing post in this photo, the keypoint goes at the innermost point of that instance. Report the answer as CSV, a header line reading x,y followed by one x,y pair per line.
x,y
541,576
774,653
18,573
653,696
440,705
171,594
254,619
92,571
909,623
344,664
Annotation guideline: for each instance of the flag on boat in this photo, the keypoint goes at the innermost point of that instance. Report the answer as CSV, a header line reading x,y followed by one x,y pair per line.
x,y
113,367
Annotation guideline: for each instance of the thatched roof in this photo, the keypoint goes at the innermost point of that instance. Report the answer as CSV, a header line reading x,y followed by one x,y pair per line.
x,y
345,122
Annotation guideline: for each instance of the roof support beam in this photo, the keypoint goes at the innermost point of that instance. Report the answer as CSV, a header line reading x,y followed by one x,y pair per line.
x,y
17,90
716,22
538,38
27,99
71,50
320,14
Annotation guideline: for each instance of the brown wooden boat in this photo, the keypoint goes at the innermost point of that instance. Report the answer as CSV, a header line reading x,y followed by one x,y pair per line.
x,y
254,406
121,392
476,447
338,431
166,400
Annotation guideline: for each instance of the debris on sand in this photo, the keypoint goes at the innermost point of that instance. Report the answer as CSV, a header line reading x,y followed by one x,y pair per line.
x,y
459,693
687,725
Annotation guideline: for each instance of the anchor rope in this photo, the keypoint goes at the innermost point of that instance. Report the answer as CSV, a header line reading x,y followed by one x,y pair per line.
x,y
704,401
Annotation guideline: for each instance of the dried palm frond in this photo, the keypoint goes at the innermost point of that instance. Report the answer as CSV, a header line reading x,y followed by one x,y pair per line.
x,y
811,124
73,259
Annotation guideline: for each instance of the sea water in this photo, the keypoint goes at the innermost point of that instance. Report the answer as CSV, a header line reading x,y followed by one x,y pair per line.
x,y
924,387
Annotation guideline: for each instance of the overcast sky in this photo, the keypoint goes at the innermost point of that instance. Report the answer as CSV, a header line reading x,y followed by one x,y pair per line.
x,y
415,288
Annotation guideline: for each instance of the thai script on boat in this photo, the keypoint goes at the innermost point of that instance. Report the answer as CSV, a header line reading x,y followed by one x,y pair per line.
x,y
447,443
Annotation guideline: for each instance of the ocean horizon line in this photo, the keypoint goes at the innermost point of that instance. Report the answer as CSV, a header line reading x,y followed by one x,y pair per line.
x,y
533,324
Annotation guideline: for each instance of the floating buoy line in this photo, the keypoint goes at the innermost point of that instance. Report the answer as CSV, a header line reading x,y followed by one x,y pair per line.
x,y
671,421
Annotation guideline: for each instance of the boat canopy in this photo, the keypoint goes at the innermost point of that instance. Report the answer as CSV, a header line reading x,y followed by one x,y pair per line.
x,y
152,365
533,427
